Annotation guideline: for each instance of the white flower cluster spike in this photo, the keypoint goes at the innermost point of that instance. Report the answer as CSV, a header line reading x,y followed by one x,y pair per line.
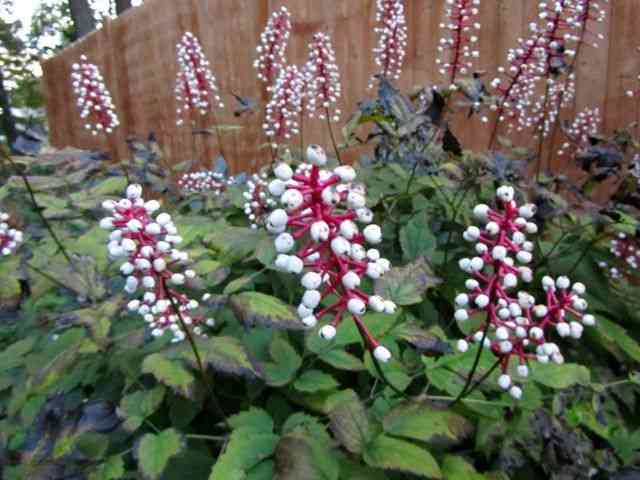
x,y
259,200
331,258
517,327
93,99
147,242
458,47
282,117
391,31
196,86
626,249
204,181
586,124
324,88
273,45
10,238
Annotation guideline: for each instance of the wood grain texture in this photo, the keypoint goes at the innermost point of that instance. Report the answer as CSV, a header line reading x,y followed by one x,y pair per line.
x,y
136,53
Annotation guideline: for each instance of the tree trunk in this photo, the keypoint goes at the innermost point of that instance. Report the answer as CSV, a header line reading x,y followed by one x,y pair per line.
x,y
122,6
8,120
82,16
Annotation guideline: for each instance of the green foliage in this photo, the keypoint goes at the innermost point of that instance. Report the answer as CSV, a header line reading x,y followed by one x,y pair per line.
x,y
86,390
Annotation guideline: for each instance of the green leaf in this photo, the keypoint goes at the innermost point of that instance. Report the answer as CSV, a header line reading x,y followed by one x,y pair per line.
x,y
253,419
399,455
245,450
426,342
406,285
313,381
422,421
112,469
348,421
416,238
137,406
169,372
223,354
457,468
342,360
560,377
301,457
12,356
233,244
243,283
286,363
254,308
155,451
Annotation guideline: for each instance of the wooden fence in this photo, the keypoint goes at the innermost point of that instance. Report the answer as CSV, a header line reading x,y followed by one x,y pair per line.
x,y
137,55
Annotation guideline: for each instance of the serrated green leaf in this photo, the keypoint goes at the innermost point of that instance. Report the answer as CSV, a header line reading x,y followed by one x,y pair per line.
x,y
243,283
400,455
245,450
301,457
457,468
254,308
416,238
315,381
286,363
255,419
137,406
560,376
342,360
223,354
155,451
348,420
406,285
422,421
12,356
112,469
169,372
233,244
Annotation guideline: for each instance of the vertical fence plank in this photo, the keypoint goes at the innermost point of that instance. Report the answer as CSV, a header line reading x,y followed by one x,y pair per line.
x,y
137,55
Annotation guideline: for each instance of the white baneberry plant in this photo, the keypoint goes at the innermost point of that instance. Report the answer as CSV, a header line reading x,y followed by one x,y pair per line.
x,y
282,115
459,45
93,99
204,181
10,238
259,199
196,85
514,326
391,30
320,239
586,124
324,86
273,45
147,242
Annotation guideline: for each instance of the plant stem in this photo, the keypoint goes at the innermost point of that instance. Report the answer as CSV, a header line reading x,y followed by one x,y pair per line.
x,y
196,353
218,134
210,438
47,276
475,364
456,209
333,138
37,207
483,378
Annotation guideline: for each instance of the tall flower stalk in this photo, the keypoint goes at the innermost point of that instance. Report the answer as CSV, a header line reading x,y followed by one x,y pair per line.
x,y
458,46
391,31
324,88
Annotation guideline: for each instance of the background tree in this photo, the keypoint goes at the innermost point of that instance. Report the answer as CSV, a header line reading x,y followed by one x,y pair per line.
x,y
122,6
83,17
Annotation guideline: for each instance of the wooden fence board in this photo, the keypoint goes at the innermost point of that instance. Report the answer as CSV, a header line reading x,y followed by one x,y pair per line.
x,y
136,53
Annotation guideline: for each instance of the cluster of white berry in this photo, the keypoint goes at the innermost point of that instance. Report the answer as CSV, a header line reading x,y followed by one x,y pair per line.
x,y
10,238
392,35
152,261
586,124
513,325
333,253
324,88
458,47
283,110
204,181
196,88
93,99
273,45
259,200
